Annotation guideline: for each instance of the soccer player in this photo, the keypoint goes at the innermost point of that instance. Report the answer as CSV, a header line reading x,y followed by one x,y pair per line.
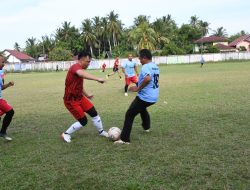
x,y
76,99
115,69
202,61
5,108
148,92
129,68
103,67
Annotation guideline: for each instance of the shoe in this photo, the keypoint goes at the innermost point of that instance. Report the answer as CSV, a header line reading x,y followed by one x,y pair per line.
x,y
120,78
121,142
104,134
126,94
66,137
6,137
147,131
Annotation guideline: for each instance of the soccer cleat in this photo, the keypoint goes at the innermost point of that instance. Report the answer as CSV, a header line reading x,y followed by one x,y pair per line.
x,y
66,137
126,94
147,131
121,142
104,134
6,137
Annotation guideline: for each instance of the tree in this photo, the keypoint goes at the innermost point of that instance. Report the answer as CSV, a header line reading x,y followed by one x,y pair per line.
x,y
220,32
98,32
141,19
31,47
143,36
60,54
194,20
17,47
88,36
114,27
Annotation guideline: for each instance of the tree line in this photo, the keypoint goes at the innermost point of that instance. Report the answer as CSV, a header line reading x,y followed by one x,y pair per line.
x,y
107,36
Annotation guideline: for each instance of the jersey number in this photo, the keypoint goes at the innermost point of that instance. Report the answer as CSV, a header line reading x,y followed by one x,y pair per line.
x,y
156,80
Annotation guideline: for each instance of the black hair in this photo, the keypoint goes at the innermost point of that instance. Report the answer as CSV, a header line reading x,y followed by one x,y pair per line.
x,y
145,53
84,54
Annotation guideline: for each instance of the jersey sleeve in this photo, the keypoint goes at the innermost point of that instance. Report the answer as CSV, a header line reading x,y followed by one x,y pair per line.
x,y
145,71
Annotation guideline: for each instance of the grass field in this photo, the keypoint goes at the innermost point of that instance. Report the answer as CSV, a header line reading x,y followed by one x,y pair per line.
x,y
200,136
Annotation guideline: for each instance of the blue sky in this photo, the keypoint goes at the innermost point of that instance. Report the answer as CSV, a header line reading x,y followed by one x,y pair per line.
x,y
22,19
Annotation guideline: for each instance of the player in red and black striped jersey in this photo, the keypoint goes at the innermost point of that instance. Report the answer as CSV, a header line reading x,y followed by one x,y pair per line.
x,y
76,99
115,69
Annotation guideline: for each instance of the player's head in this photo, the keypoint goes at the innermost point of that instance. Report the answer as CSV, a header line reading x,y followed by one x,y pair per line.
x,y
2,61
145,56
84,59
130,57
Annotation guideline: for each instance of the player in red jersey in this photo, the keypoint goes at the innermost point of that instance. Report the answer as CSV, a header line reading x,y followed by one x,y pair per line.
x,y
115,69
103,67
76,99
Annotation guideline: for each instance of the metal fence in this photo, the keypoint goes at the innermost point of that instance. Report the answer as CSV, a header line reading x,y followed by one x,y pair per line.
x,y
96,64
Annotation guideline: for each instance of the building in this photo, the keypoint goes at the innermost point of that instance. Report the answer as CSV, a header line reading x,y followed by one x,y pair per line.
x,y
14,56
220,42
243,41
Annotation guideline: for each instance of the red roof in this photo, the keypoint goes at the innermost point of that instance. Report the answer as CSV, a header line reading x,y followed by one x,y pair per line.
x,y
224,47
19,55
210,39
240,39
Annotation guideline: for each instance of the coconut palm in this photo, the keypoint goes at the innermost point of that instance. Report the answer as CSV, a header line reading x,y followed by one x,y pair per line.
x,y
114,27
141,19
31,47
17,47
143,36
220,32
194,20
98,31
88,36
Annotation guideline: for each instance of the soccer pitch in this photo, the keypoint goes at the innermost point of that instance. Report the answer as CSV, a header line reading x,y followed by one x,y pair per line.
x,y
199,138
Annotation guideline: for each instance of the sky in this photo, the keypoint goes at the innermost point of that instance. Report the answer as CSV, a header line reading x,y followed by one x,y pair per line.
x,y
23,19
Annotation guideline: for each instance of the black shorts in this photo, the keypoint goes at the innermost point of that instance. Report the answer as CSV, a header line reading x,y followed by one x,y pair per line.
x,y
115,69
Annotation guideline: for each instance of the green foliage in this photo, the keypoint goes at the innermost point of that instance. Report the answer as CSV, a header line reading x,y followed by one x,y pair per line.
x,y
242,48
60,54
172,49
213,49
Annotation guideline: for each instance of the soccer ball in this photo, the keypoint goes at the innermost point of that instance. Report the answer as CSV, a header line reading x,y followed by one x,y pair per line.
x,y
114,133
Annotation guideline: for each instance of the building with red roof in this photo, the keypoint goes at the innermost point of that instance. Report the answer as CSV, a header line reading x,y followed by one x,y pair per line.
x,y
220,42
243,41
14,56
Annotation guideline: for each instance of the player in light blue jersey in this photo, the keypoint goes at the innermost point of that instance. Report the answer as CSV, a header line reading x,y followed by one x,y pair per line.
x,y
148,93
129,68
5,108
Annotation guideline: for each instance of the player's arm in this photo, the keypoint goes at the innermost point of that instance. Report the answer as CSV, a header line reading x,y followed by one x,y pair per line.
x,y
11,83
85,75
144,83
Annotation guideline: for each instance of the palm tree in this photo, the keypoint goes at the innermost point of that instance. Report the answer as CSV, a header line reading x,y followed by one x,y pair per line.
x,y
106,36
220,32
141,19
98,32
143,37
204,27
88,36
17,47
31,47
194,20
114,27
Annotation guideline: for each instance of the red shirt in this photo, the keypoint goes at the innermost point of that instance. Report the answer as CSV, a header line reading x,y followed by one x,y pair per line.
x,y
73,84
103,65
116,63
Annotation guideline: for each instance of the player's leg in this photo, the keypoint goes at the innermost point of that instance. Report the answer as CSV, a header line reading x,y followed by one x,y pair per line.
x,y
97,122
135,108
127,83
76,110
9,112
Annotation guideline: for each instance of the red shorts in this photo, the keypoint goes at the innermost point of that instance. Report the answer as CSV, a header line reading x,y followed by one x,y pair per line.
x,y
132,79
79,107
4,107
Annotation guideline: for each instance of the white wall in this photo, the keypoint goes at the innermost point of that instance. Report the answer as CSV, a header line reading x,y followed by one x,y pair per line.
x,y
96,64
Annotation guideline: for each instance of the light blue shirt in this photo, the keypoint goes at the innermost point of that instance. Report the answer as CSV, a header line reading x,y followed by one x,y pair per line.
x,y
149,93
129,68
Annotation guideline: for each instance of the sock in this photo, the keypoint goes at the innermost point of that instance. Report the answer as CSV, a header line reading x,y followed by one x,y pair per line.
x,y
73,128
97,122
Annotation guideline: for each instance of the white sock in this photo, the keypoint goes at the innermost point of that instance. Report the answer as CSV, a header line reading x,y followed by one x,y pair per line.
x,y
97,122
73,128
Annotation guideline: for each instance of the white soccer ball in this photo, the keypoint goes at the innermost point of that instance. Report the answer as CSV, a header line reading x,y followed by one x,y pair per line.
x,y
114,133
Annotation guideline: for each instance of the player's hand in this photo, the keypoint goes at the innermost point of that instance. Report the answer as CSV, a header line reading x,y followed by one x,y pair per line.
x,y
100,80
11,83
126,76
133,89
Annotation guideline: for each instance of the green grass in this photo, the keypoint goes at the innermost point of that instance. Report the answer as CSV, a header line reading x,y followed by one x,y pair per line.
x,y
199,139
